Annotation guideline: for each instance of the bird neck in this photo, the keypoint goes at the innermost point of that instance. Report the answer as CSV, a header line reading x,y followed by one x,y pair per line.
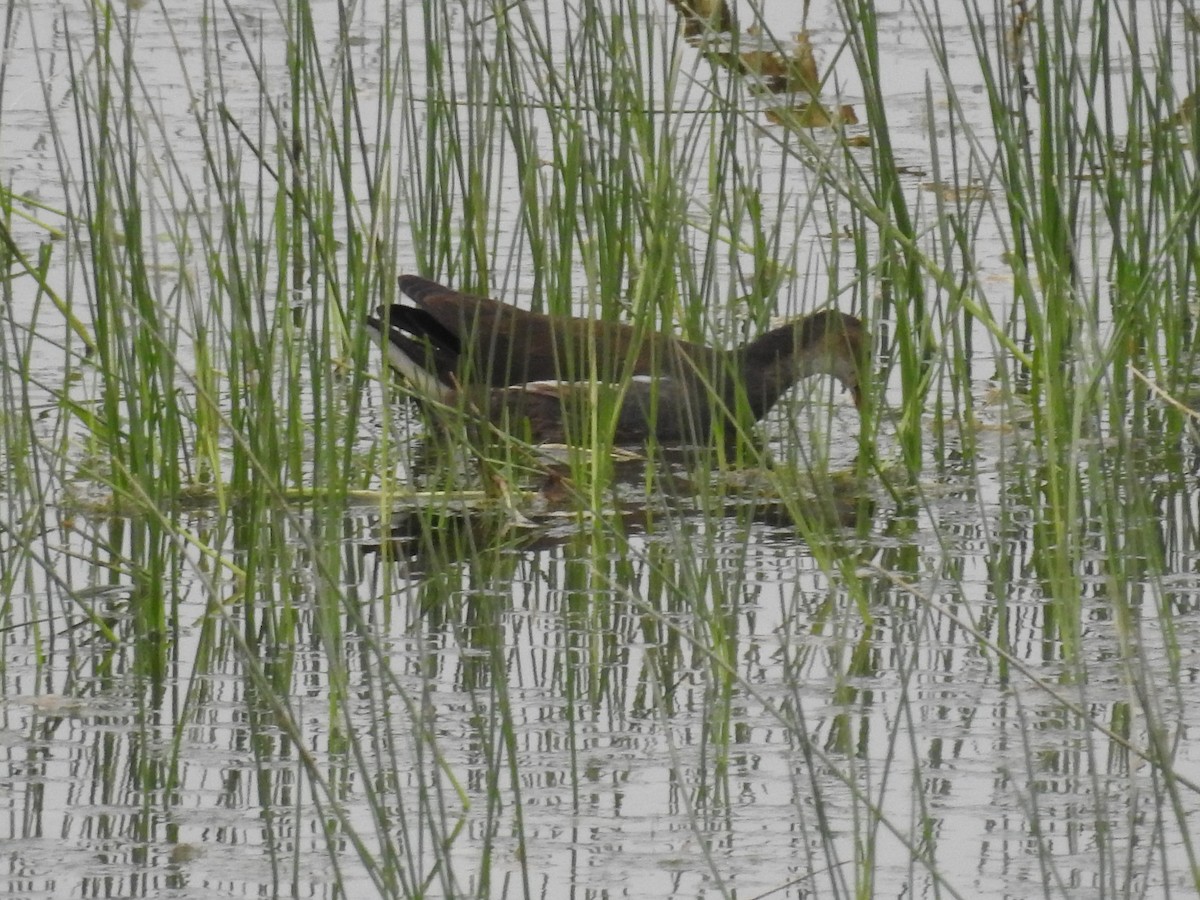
x,y
767,366
775,361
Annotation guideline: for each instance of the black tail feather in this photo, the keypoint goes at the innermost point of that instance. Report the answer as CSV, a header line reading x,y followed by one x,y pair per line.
x,y
417,288
420,324
420,338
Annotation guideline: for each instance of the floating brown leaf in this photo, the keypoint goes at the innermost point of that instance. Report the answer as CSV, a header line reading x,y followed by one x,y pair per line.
x,y
812,115
804,62
1187,111
781,74
700,16
955,192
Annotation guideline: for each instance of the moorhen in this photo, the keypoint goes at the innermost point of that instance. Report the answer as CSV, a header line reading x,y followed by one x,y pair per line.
x,y
538,375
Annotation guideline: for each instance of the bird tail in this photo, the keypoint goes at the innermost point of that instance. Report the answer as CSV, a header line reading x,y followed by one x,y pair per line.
x,y
413,341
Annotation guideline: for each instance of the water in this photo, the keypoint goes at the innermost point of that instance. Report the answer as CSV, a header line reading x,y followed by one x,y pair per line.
x,y
684,698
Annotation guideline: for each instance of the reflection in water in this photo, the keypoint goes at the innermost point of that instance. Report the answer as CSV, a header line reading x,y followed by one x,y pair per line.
x,y
433,538
670,678
658,672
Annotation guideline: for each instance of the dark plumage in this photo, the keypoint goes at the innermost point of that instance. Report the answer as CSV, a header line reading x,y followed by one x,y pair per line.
x,y
499,360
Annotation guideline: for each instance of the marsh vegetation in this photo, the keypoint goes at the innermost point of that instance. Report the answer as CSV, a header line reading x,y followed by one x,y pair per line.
x,y
258,634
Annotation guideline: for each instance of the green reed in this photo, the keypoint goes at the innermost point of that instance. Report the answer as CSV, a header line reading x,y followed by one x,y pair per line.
x,y
1098,209
608,164
223,291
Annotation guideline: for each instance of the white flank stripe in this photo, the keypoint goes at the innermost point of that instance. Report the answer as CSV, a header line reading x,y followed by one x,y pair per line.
x,y
422,380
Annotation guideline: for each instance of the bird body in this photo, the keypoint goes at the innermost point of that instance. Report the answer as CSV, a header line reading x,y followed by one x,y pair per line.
x,y
516,366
